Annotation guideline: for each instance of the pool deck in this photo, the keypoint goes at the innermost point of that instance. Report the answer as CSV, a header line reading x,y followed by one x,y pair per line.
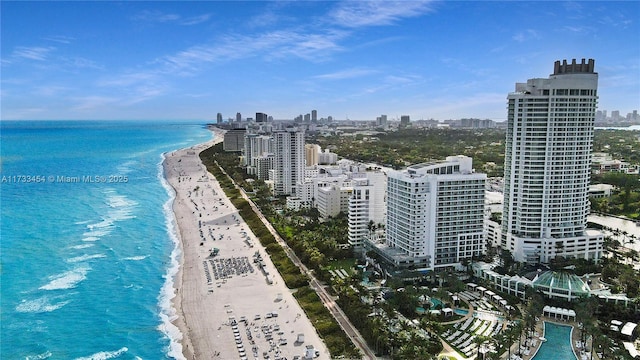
x,y
575,337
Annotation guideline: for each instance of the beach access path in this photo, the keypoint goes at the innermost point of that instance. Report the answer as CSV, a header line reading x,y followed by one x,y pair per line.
x,y
226,307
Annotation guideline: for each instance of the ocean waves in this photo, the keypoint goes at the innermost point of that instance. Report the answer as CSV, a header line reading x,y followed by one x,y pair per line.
x,y
105,355
88,268
167,293
42,304
85,258
67,280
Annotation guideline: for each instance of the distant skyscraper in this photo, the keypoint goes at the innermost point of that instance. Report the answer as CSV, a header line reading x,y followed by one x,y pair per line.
x,y
314,115
404,120
547,166
261,117
381,121
615,115
238,117
219,118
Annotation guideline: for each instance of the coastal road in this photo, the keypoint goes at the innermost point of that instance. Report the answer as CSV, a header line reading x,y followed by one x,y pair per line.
x,y
325,297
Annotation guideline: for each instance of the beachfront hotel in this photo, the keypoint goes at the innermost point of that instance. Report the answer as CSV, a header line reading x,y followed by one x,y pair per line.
x,y
549,141
434,215
366,206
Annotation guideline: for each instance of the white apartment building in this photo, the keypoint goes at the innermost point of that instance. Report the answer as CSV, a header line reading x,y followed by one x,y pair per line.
x,y
288,167
327,157
366,206
304,194
435,214
332,200
264,166
255,146
547,166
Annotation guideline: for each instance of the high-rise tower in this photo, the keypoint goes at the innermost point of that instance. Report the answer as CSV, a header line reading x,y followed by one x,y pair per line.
x,y
288,168
435,213
547,166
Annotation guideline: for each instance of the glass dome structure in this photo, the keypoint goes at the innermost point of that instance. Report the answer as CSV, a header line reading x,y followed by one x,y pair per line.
x,y
561,285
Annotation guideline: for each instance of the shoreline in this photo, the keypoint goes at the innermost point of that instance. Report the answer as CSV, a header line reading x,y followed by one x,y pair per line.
x,y
215,296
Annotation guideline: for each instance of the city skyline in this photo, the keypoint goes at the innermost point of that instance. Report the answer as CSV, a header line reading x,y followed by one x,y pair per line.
x,y
357,60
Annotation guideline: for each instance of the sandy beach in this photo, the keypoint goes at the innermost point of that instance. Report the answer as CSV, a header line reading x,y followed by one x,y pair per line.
x,y
225,305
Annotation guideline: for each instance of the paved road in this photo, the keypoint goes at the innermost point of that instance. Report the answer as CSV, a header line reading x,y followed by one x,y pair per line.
x,y
326,298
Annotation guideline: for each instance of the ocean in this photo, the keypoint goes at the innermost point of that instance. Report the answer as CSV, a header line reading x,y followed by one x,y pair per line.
x,y
88,244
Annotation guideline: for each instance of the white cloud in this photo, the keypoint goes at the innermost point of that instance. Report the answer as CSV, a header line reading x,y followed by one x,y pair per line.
x,y
60,39
577,29
275,44
345,74
194,20
39,53
160,17
358,13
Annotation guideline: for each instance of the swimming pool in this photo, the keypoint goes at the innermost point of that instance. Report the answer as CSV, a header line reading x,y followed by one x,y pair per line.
x,y
558,344
462,312
435,302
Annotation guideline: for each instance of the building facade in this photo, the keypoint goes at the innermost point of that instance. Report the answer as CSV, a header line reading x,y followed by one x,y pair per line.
x,y
261,117
234,140
366,206
311,154
288,167
547,166
435,214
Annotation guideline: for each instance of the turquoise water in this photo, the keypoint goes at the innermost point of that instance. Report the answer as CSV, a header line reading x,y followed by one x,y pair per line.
x,y
88,246
435,302
461,311
558,344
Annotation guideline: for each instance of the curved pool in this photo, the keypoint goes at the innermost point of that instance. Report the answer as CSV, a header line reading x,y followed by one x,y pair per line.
x,y
558,344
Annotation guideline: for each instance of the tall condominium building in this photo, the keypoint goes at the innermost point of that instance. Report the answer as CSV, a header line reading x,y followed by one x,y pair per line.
x,y
547,164
238,117
288,148
219,118
435,214
366,206
314,115
405,120
255,146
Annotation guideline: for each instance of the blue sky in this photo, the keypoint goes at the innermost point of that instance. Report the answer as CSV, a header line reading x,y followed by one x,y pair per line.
x,y
355,59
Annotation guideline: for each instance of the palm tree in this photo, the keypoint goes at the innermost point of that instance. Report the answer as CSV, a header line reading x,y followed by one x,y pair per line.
x,y
479,340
